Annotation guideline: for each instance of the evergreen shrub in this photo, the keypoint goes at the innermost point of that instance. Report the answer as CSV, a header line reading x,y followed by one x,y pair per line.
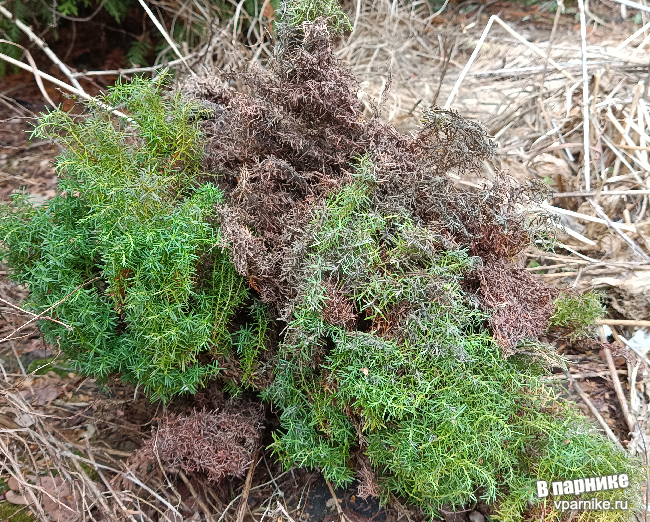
x,y
127,247
281,240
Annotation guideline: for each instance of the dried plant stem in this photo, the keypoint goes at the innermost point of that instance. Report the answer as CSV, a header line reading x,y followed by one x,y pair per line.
x,y
107,483
165,35
133,70
93,487
57,82
585,97
640,161
40,43
469,63
206,510
635,248
39,316
609,359
583,375
575,234
339,509
243,502
38,79
45,318
593,410
635,101
633,37
16,473
602,221
281,508
549,49
128,475
634,5
602,193
623,322
516,35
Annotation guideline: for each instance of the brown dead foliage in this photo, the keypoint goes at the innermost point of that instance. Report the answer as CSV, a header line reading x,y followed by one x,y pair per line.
x,y
286,140
218,443
368,486
521,304
339,309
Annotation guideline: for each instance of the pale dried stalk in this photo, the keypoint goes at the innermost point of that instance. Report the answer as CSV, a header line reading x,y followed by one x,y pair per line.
x,y
165,35
58,82
609,359
516,35
50,54
634,5
585,97
42,314
632,244
585,217
38,79
133,70
593,410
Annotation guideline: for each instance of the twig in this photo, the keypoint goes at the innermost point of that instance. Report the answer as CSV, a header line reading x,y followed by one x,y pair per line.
x,y
558,210
593,409
133,70
128,475
635,248
575,234
39,316
532,47
579,194
339,509
516,35
643,164
622,322
549,49
400,508
633,37
629,345
243,502
46,317
459,81
50,54
165,35
107,483
631,423
206,510
634,147
280,507
17,475
585,96
437,13
58,82
582,375
38,79
634,5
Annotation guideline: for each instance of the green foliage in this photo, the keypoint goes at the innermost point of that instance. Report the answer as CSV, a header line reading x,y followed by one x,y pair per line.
x,y
425,395
11,32
137,54
127,247
577,313
250,340
296,12
15,513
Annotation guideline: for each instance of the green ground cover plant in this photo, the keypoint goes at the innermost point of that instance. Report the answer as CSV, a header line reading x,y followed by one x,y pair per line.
x,y
277,239
124,244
